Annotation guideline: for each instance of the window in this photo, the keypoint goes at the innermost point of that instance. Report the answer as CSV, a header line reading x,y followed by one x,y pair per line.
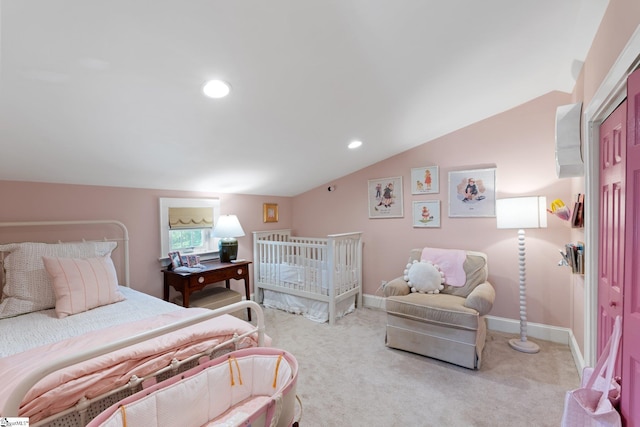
x,y
189,241
186,224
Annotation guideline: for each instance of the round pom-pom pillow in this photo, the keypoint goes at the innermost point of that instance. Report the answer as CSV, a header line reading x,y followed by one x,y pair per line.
x,y
424,277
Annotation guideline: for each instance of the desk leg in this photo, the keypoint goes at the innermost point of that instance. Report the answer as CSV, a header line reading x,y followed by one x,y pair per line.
x,y
166,290
185,297
247,295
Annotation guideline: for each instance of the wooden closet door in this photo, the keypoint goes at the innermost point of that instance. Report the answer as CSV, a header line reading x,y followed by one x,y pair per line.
x,y
612,223
630,402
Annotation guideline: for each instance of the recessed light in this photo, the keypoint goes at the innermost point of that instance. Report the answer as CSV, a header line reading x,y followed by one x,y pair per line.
x,y
354,144
216,89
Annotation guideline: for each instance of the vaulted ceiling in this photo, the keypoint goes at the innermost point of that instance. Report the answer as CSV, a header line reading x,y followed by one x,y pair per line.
x,y
110,92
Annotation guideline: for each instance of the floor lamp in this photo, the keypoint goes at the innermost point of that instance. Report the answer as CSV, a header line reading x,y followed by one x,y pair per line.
x,y
521,213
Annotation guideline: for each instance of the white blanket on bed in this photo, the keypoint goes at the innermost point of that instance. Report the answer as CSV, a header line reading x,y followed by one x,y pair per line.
x,y
44,327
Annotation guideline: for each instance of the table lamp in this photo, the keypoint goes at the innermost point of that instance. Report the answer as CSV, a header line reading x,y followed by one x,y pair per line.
x,y
227,228
521,213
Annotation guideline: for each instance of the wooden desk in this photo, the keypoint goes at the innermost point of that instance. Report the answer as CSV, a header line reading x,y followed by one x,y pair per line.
x,y
187,283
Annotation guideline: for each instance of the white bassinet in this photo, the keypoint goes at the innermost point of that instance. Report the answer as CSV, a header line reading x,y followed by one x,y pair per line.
x,y
250,387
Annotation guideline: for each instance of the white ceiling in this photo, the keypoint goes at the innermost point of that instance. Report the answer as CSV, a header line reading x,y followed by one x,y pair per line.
x,y
109,92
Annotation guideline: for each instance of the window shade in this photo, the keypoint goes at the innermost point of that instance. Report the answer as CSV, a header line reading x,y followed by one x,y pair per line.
x,y
190,218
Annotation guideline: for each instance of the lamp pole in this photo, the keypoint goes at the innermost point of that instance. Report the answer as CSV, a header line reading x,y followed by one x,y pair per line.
x,y
523,344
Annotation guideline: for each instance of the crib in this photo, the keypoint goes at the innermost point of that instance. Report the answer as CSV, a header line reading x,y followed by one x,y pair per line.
x,y
320,278
250,387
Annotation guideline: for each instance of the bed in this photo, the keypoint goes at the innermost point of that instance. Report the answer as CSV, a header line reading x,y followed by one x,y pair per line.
x,y
76,338
320,278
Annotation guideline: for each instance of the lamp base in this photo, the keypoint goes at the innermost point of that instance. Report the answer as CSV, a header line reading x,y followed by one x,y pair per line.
x,y
524,346
228,249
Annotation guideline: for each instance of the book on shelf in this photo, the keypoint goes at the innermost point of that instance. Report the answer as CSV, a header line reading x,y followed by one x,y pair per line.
x,y
577,219
574,257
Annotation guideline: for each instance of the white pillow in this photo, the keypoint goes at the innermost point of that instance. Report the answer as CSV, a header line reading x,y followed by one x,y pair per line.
x,y
28,287
424,277
82,284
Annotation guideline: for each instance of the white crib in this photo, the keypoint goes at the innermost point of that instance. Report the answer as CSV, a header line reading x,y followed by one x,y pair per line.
x,y
317,277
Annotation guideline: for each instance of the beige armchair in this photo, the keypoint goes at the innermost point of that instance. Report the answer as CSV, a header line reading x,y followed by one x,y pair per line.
x,y
449,326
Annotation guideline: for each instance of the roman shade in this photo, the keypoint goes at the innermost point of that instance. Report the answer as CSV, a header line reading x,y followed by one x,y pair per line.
x,y
181,218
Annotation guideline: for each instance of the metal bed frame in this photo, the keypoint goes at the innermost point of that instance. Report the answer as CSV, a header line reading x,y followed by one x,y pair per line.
x,y
15,399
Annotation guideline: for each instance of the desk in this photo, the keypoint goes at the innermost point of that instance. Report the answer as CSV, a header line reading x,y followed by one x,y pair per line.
x,y
187,283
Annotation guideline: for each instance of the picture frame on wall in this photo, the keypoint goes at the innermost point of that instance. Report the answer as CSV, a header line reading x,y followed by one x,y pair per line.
x,y
270,212
384,196
426,214
425,180
472,193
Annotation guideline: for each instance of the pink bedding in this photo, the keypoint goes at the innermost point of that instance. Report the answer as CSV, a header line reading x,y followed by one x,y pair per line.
x,y
62,389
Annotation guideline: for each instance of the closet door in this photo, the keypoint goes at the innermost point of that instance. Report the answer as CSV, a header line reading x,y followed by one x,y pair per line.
x,y
612,225
630,402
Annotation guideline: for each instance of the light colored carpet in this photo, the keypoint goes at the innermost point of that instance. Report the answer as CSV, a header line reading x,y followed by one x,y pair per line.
x,y
348,377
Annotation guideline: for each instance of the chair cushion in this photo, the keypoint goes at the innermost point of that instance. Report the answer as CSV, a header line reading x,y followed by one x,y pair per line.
x,y
444,309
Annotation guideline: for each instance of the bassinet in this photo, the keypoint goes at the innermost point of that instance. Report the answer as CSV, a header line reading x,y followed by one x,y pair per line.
x,y
317,277
250,387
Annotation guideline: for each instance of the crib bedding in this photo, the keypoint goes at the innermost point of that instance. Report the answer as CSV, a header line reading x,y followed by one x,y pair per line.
x,y
38,328
62,389
306,276
312,309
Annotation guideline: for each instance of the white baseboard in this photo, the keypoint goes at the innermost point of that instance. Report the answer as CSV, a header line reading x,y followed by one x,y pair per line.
x,y
578,357
373,301
510,326
534,330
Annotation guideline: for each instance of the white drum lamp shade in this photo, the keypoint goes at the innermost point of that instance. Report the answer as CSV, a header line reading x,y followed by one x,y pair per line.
x,y
521,213
227,228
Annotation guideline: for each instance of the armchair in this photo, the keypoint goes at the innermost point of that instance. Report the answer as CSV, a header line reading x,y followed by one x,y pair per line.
x,y
450,325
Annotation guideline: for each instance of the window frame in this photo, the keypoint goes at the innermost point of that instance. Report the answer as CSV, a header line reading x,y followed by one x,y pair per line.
x,y
173,202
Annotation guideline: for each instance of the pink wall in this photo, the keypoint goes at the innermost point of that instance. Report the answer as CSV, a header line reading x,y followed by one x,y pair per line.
x,y
620,21
138,209
520,143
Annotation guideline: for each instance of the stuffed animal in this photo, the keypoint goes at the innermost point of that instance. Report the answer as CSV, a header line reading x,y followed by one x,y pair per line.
x,y
424,277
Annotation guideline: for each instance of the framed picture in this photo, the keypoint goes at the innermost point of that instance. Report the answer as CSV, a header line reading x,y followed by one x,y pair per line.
x,y
193,260
176,259
270,212
385,197
426,214
425,180
472,193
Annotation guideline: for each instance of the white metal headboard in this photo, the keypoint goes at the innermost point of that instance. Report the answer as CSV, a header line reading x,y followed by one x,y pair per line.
x,y
124,239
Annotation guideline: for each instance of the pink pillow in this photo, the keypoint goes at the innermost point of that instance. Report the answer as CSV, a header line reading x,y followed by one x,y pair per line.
x,y
82,284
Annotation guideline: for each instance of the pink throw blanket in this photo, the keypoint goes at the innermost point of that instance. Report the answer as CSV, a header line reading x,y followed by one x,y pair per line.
x,y
61,390
451,263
